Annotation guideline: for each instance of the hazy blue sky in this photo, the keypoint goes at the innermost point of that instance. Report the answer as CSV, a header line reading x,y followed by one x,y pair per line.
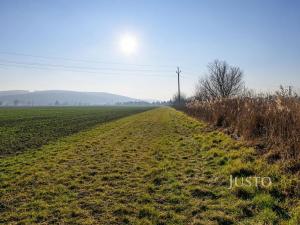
x,y
262,37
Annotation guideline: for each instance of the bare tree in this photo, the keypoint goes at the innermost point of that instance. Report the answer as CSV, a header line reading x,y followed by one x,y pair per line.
x,y
222,81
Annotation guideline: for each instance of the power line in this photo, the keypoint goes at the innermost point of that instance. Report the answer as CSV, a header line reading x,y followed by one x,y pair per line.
x,y
80,71
84,69
82,60
30,66
90,61
79,67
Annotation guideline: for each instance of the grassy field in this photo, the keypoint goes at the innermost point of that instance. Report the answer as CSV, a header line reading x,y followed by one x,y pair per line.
x,y
23,128
156,167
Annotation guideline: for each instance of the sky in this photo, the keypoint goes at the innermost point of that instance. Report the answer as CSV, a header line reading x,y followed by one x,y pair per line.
x,y
77,45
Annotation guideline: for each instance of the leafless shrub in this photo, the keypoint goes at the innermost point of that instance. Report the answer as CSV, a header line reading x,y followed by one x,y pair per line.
x,y
222,81
179,101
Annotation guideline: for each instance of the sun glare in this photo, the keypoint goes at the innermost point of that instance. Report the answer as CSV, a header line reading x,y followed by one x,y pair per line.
x,y
128,44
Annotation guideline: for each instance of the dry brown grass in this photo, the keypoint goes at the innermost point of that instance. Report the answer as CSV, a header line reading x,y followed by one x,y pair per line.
x,y
274,122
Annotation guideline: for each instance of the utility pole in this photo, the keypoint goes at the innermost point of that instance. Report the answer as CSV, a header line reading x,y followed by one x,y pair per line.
x,y
178,71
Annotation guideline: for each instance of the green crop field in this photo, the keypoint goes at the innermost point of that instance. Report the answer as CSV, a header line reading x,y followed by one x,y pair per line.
x,y
24,128
155,167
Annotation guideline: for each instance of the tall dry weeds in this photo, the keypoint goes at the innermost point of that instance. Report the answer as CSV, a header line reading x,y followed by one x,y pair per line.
x,y
273,121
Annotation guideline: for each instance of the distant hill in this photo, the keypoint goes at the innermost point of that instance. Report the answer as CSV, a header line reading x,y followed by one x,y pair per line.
x,y
57,98
13,92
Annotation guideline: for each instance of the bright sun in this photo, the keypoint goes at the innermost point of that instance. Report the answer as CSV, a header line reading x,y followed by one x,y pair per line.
x,y
128,44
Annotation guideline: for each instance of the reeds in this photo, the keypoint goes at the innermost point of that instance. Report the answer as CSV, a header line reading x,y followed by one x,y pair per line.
x,y
273,121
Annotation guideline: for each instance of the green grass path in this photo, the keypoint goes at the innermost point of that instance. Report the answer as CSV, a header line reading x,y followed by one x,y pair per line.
x,y
156,167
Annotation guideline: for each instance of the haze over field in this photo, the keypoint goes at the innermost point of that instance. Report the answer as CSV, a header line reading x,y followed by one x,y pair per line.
x,y
56,98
